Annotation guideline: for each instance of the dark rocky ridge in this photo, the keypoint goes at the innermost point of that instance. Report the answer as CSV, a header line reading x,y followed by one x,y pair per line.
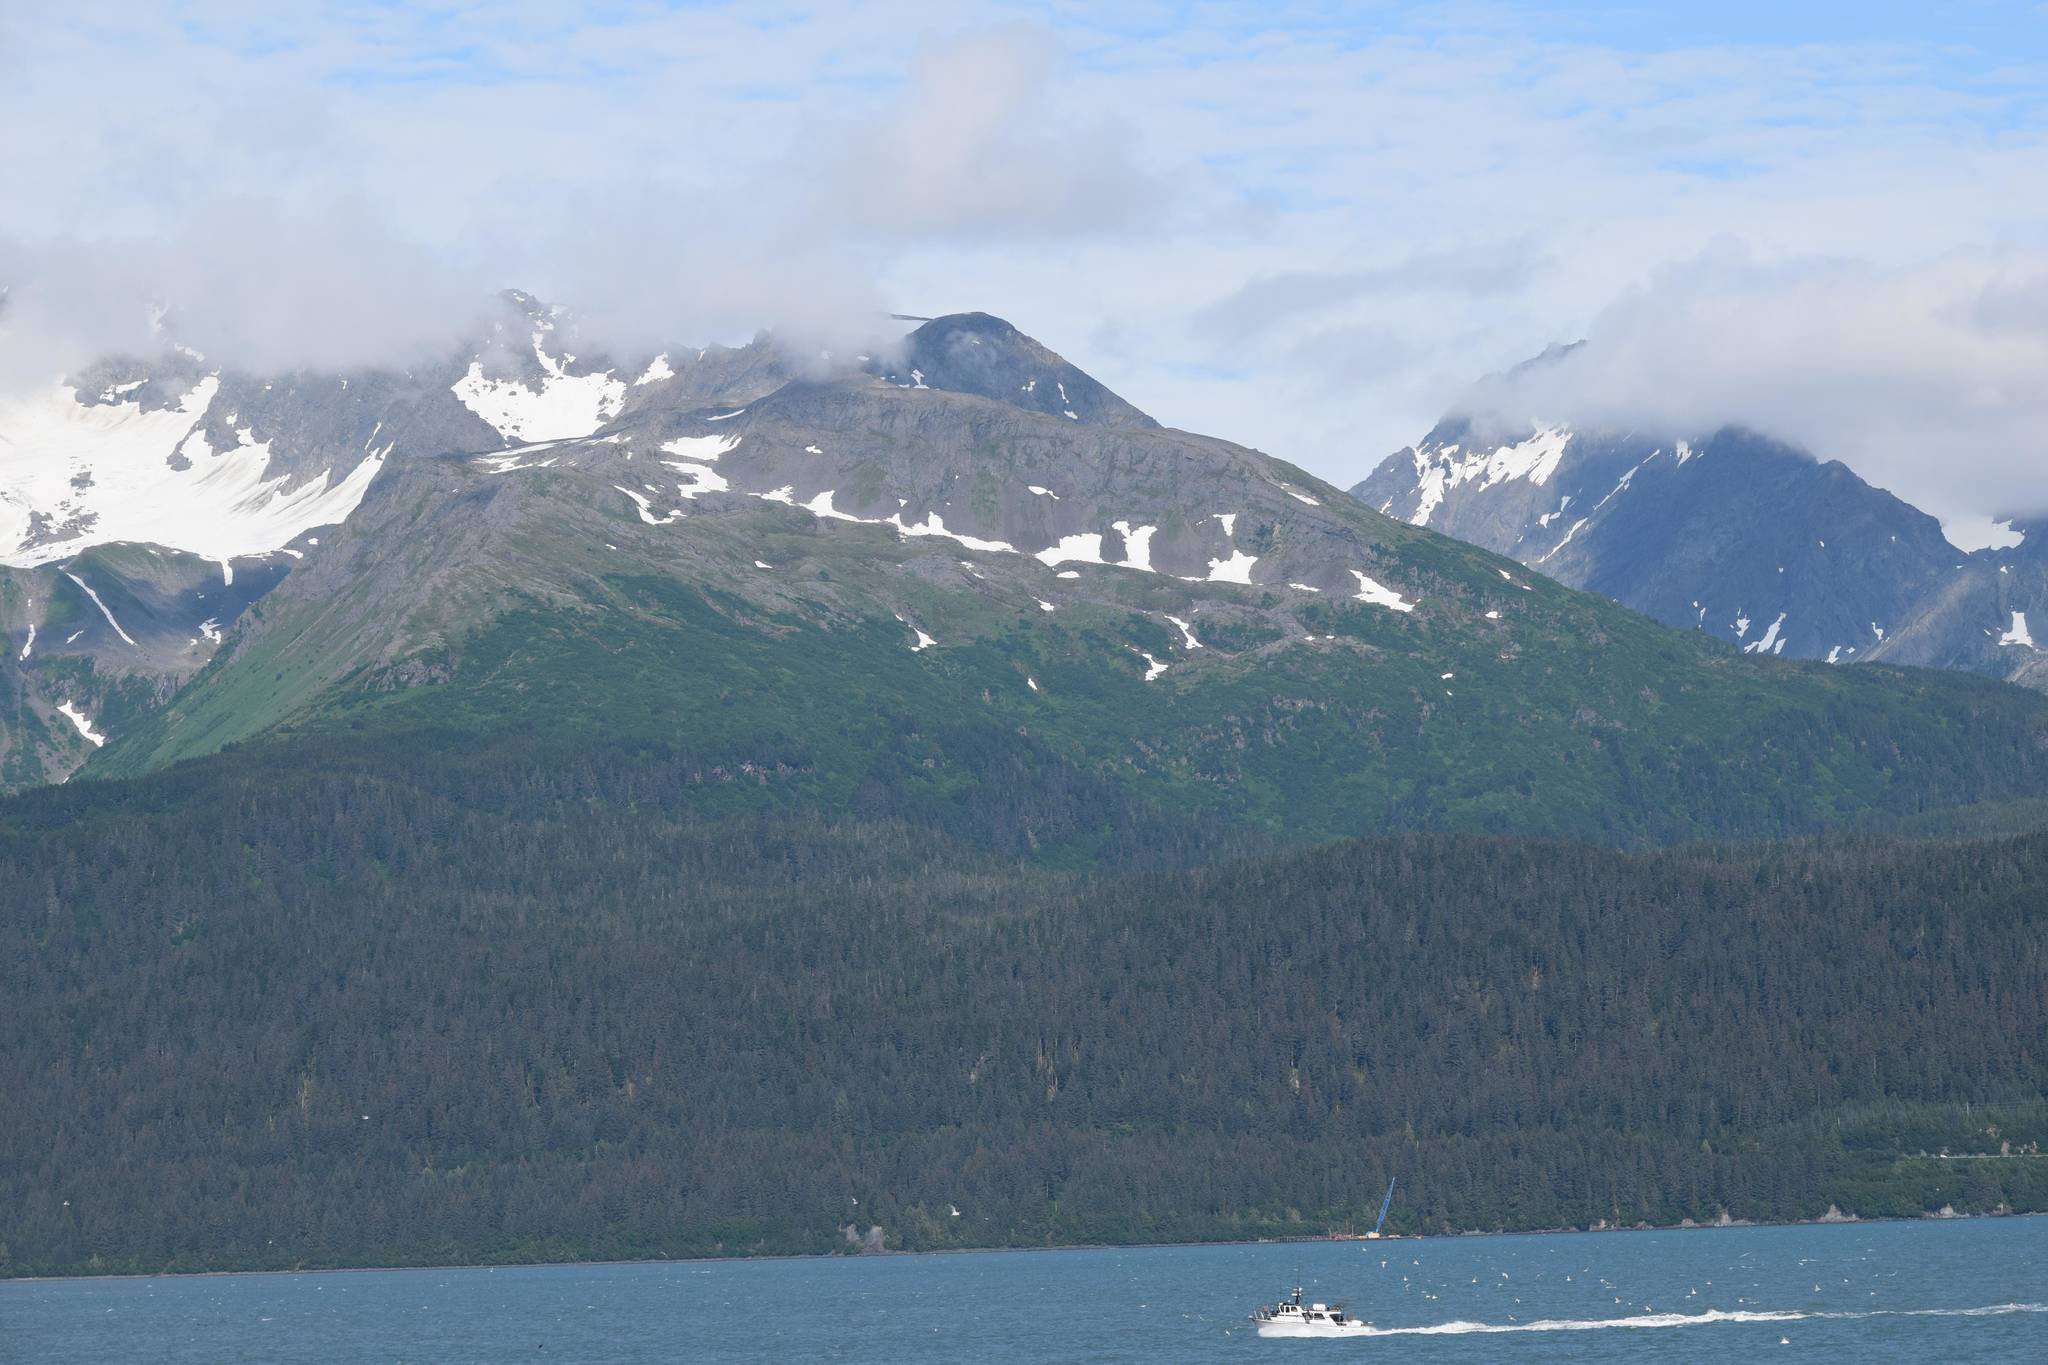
x,y
984,355
1730,533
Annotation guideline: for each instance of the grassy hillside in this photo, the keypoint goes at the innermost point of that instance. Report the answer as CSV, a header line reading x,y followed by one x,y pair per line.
x,y
1503,703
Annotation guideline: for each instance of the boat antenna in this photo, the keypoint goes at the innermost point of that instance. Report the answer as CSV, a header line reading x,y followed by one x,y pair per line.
x,y
1385,1204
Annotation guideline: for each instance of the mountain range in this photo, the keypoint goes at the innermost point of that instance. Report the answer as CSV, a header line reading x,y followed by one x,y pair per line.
x,y
885,577
1734,535
552,805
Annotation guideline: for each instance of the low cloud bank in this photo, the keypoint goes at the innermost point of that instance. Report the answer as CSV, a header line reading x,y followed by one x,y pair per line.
x,y
275,217
1930,380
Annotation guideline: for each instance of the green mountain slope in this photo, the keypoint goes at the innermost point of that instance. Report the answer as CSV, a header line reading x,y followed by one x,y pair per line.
x,y
751,589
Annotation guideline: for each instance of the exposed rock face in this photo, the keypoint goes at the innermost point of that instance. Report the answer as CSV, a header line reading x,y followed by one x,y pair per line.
x,y
180,492
190,491
983,355
992,474
1732,534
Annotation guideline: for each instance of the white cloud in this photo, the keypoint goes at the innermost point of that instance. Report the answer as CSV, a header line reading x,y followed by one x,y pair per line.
x,y
979,147
1927,378
239,281
1306,230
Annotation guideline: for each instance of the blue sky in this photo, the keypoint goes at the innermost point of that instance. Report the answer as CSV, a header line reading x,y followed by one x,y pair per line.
x,y
1307,227
2010,27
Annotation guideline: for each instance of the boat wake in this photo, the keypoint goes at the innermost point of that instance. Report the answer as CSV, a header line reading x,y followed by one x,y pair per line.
x,y
1712,1316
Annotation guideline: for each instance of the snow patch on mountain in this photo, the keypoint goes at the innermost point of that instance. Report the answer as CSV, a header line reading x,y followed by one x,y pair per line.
x,y
821,506
1621,484
706,448
75,475
1768,642
561,405
932,525
1440,469
2017,634
1137,544
86,588
1379,594
923,641
78,718
1970,534
935,525
702,479
1236,569
1577,526
1084,548
646,508
512,461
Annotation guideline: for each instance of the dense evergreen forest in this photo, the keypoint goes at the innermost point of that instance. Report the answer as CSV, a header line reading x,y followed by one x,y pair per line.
x,y
363,1008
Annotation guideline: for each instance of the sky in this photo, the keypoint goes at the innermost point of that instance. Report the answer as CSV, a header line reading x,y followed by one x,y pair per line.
x,y
1311,228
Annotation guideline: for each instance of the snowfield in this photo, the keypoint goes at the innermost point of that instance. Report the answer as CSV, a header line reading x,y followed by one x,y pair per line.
x,y
74,475
561,406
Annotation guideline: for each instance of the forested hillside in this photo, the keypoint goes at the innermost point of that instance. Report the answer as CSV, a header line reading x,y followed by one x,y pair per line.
x,y
332,1012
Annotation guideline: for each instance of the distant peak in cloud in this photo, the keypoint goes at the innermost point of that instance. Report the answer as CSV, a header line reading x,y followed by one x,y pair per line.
x,y
1926,378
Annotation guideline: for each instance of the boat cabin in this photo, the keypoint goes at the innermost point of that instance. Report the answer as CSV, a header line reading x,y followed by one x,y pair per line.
x,y
1292,1309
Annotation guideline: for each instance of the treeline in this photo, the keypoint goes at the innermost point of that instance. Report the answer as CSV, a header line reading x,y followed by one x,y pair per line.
x,y
263,1014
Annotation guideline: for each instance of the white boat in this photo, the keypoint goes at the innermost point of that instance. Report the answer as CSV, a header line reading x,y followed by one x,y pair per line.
x,y
1292,1318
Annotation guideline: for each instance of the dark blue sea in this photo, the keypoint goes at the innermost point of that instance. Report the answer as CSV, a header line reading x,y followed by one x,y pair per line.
x,y
1965,1291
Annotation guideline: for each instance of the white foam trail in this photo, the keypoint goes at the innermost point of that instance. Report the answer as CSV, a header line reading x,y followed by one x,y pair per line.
x,y
1645,1320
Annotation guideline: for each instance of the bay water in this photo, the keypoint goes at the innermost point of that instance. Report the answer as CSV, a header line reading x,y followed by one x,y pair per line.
x,y
1967,1290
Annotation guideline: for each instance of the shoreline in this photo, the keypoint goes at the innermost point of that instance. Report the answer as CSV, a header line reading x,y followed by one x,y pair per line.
x,y
1846,1222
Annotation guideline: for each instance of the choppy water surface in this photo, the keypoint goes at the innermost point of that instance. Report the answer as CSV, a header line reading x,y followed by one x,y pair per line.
x,y
1909,1292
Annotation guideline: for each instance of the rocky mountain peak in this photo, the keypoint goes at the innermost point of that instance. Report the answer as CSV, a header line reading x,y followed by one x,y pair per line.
x,y
1732,534
981,354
